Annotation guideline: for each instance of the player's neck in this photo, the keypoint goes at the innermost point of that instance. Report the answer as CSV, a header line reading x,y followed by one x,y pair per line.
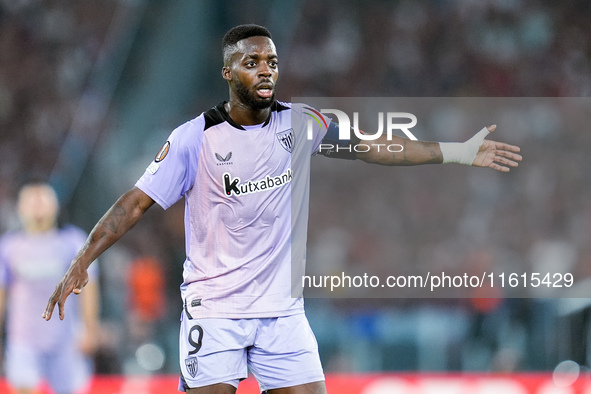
x,y
39,226
245,115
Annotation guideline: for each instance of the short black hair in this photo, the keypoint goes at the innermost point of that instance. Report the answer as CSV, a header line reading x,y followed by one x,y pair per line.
x,y
241,32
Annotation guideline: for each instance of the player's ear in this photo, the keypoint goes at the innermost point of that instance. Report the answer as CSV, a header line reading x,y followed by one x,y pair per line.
x,y
227,73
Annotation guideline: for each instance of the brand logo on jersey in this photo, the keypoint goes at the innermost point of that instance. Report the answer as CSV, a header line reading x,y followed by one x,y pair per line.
x,y
235,187
286,139
191,364
163,152
224,160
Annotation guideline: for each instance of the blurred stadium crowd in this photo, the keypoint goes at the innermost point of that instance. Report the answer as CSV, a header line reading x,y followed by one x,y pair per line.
x,y
538,217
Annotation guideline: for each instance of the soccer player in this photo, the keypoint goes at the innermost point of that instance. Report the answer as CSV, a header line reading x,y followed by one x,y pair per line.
x,y
31,261
243,169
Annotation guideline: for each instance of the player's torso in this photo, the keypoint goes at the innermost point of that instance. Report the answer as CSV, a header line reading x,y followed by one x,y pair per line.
x,y
39,259
239,213
35,263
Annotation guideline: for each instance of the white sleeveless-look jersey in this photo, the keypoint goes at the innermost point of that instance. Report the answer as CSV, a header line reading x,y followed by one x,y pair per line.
x,y
246,208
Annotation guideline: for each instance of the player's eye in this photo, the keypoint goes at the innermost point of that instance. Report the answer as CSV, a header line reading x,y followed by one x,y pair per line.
x,y
273,63
250,64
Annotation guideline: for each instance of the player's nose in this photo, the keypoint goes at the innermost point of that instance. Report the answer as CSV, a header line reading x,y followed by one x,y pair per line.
x,y
264,70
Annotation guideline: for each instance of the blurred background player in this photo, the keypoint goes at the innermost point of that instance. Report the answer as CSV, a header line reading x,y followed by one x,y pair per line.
x,y
31,260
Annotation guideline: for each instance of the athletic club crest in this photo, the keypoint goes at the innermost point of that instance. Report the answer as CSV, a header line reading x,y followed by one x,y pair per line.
x,y
286,139
191,364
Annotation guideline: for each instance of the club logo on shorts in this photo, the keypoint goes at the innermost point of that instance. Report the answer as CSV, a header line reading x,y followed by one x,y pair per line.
x,y
286,139
163,152
191,364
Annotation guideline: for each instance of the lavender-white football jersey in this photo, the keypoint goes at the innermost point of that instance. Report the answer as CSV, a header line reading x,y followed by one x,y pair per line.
x,y
246,198
30,266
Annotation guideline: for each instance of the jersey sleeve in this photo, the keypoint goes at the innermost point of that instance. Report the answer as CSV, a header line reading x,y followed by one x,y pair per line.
x,y
4,269
172,172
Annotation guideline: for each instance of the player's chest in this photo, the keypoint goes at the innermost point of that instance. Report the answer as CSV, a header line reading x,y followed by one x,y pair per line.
x,y
247,154
39,260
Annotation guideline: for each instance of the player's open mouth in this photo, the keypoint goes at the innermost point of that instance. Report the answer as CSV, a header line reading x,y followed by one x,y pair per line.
x,y
265,92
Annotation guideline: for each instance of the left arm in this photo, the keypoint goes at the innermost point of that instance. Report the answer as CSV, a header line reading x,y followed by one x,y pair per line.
x,y
477,152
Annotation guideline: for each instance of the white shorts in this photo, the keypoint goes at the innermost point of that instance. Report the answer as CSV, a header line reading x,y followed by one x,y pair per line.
x,y
66,370
280,352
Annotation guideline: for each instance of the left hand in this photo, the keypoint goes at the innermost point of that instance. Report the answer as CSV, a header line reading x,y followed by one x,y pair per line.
x,y
497,155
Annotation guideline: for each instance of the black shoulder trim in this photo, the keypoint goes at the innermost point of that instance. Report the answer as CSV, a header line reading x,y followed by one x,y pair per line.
x,y
277,106
217,115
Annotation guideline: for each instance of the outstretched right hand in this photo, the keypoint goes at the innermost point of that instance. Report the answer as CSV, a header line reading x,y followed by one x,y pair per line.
x,y
72,282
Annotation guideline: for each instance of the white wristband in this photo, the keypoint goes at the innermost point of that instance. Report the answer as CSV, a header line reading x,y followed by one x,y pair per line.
x,y
463,152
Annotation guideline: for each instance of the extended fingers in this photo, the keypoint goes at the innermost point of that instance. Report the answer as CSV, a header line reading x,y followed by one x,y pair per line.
x,y
499,167
60,306
503,156
506,147
50,305
48,310
508,157
504,161
58,297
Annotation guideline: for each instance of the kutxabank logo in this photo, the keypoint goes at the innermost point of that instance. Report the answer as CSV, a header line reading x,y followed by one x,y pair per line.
x,y
235,187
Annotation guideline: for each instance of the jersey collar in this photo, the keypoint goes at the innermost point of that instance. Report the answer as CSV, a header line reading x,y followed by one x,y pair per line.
x,y
221,109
